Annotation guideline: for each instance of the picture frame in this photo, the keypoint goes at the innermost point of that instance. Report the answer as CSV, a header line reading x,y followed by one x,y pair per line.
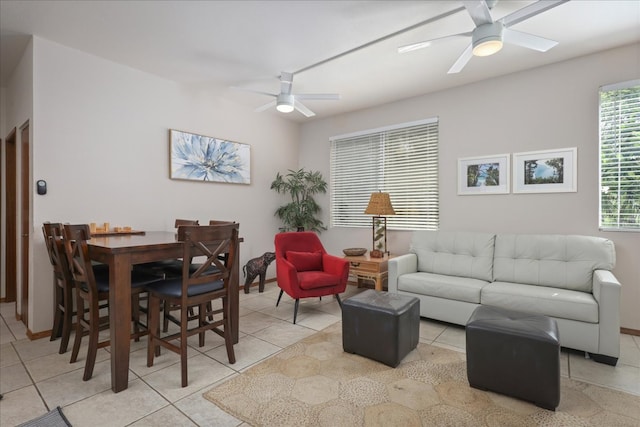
x,y
203,158
484,175
547,171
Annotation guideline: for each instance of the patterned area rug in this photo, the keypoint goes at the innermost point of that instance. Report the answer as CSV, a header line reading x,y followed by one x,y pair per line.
x,y
315,383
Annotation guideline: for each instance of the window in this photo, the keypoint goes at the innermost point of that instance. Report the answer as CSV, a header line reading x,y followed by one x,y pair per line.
x,y
401,160
620,156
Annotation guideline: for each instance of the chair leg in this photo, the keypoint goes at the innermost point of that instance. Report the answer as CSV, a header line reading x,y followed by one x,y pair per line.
x,y
228,339
279,296
165,322
58,319
295,310
67,319
339,301
135,315
202,311
79,330
153,313
184,325
94,330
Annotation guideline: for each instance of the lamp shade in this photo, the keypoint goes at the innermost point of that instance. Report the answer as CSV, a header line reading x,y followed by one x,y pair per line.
x,y
380,204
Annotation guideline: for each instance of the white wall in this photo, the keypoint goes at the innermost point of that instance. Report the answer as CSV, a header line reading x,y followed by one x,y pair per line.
x,y
555,106
101,141
17,109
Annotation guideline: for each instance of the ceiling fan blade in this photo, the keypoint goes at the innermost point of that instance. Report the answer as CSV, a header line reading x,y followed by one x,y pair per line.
x,y
253,91
266,106
304,110
461,61
427,43
530,11
327,96
479,12
528,40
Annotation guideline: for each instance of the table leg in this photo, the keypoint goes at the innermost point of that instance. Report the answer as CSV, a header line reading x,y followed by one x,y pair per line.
x,y
378,283
120,320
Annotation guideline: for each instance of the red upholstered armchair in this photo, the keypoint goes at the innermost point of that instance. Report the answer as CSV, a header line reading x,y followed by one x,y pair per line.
x,y
304,269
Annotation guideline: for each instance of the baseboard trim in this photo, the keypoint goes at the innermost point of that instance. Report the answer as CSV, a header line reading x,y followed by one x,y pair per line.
x,y
38,335
256,284
630,331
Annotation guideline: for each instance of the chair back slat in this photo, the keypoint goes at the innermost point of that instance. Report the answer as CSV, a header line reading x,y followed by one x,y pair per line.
x,y
53,239
77,252
211,242
181,222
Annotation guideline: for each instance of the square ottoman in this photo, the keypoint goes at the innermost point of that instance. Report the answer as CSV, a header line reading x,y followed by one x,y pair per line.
x,y
381,326
514,353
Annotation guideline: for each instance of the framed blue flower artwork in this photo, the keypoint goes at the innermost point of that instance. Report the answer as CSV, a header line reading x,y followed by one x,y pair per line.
x,y
204,158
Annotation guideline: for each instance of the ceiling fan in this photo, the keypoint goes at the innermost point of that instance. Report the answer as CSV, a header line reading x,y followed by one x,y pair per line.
x,y
286,101
488,35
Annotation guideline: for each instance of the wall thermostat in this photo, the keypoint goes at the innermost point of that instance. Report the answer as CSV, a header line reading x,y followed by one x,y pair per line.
x,y
42,186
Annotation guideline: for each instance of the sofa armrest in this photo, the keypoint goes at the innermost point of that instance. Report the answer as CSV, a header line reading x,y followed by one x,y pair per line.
x,y
606,291
398,266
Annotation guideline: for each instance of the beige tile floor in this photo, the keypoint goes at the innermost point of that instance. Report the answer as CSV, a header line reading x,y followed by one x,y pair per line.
x,y
34,378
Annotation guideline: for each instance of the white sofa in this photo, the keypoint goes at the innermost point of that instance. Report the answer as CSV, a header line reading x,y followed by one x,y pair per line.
x,y
567,278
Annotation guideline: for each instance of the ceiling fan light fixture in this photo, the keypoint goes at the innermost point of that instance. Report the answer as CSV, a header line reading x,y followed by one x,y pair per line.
x,y
284,103
487,39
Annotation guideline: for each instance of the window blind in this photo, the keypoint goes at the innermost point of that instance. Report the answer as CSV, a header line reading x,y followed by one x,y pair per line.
x,y
620,156
401,160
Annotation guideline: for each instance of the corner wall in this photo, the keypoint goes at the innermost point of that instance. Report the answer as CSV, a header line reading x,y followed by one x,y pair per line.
x,y
550,107
100,138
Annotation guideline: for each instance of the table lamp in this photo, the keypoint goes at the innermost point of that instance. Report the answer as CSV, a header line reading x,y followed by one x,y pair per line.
x,y
379,206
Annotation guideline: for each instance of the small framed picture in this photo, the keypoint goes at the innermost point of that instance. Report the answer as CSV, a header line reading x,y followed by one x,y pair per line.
x,y
549,171
483,175
207,159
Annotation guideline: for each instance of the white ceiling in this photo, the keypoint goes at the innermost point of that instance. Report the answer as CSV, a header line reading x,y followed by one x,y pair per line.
x,y
213,45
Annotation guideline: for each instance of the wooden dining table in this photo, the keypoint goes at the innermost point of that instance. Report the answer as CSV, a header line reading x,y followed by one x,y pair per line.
x,y
120,253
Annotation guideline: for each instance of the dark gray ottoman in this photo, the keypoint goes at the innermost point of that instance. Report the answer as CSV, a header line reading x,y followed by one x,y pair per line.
x,y
380,326
514,353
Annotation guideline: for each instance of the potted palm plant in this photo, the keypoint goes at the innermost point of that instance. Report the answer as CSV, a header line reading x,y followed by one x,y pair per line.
x,y
300,213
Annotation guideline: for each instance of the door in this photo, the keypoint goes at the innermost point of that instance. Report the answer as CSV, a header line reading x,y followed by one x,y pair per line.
x,y
10,256
25,214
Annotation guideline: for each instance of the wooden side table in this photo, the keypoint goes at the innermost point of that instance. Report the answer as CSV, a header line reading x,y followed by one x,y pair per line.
x,y
366,268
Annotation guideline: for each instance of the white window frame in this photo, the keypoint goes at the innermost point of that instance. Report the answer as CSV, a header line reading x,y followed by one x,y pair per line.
x,y
401,160
614,139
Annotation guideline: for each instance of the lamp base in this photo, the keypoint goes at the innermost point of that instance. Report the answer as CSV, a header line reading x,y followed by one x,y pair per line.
x,y
376,254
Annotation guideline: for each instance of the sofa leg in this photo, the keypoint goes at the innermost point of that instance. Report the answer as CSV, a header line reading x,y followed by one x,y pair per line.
x,y
601,358
279,296
339,301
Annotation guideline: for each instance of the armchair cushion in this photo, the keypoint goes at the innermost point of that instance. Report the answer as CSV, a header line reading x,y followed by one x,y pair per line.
x,y
305,261
317,279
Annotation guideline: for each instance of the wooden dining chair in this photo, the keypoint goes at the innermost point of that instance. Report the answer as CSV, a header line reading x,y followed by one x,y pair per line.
x,y
92,289
199,288
176,271
63,283
63,286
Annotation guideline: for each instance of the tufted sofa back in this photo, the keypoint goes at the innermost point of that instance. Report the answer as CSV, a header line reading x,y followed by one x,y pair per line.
x,y
551,260
463,254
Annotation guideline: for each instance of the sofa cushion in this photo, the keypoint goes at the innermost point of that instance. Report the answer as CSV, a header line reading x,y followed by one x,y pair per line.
x,y
558,261
441,286
462,254
555,302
